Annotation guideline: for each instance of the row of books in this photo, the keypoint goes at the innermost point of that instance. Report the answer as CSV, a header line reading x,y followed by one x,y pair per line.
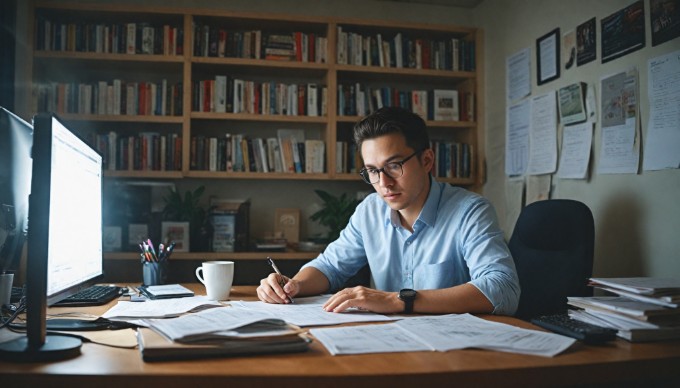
x,y
115,38
228,94
288,152
145,151
403,51
451,159
217,41
438,104
347,158
110,98
640,308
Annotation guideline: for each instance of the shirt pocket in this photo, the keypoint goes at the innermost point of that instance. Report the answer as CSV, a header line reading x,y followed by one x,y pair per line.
x,y
437,275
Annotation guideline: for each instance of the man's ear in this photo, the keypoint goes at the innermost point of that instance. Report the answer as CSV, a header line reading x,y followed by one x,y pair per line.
x,y
427,158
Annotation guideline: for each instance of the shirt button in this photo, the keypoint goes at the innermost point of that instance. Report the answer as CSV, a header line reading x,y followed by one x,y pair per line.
x,y
408,243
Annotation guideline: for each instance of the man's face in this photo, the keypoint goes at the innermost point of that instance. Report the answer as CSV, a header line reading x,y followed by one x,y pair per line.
x,y
408,191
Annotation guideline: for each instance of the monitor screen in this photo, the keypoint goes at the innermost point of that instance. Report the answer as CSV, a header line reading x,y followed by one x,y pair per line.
x,y
64,235
16,140
74,216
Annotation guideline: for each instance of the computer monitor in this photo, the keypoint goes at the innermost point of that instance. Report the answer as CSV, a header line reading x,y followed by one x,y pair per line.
x,y
16,140
64,234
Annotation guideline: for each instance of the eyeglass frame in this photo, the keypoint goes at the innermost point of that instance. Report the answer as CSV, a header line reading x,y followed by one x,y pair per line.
x,y
382,169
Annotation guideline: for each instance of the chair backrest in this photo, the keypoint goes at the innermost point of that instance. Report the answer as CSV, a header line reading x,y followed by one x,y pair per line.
x,y
552,245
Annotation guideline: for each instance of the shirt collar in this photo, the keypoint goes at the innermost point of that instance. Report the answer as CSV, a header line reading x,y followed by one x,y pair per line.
x,y
428,214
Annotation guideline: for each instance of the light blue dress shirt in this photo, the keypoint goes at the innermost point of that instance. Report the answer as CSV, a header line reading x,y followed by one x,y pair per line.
x,y
456,239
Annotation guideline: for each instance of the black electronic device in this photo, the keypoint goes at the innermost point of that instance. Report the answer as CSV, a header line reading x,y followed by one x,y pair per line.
x,y
16,140
563,324
408,296
64,235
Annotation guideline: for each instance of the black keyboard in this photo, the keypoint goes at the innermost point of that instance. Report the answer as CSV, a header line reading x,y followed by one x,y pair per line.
x,y
565,325
92,296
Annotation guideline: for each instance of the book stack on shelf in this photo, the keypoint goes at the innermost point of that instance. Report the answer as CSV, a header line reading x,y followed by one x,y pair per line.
x,y
288,152
217,41
144,151
642,309
112,38
434,104
402,51
226,94
114,97
451,159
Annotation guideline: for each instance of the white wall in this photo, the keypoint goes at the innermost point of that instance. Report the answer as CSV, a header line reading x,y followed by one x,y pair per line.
x,y
637,217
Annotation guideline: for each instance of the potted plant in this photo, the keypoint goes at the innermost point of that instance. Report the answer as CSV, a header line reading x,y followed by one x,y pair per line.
x,y
335,213
187,208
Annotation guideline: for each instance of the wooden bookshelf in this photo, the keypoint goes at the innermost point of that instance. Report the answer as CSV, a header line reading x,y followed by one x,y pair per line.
x,y
187,66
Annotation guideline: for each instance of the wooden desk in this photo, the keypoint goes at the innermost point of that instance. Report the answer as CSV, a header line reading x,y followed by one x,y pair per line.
x,y
100,367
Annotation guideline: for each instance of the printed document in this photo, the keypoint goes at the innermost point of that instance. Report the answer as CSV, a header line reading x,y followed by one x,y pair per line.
x,y
308,312
440,333
161,308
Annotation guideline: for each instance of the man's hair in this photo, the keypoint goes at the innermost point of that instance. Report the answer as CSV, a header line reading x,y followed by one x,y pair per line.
x,y
390,120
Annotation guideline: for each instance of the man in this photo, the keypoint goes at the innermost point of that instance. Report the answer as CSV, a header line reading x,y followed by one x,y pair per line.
x,y
431,247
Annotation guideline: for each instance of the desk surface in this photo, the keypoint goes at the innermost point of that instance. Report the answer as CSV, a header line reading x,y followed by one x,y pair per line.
x,y
101,366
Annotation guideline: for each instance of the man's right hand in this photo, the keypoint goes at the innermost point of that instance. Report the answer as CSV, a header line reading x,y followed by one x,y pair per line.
x,y
277,289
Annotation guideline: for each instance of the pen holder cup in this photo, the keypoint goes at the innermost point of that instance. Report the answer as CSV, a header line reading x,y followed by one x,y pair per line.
x,y
154,273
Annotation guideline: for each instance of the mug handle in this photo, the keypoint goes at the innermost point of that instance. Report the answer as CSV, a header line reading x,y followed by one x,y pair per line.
x,y
200,278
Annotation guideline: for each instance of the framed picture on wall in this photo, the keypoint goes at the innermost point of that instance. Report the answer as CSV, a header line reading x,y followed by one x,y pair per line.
x,y
548,57
586,42
623,32
177,232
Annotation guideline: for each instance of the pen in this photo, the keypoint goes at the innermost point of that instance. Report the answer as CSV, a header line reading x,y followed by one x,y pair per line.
x,y
281,281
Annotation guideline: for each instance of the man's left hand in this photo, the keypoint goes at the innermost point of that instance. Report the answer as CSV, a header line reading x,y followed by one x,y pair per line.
x,y
364,298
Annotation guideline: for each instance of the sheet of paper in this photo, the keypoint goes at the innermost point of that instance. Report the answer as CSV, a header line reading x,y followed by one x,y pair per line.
x,y
543,135
538,188
517,138
514,201
387,338
311,314
663,132
518,74
575,156
440,333
620,144
161,308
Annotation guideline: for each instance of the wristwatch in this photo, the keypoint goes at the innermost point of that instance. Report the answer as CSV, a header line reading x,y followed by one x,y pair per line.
x,y
408,296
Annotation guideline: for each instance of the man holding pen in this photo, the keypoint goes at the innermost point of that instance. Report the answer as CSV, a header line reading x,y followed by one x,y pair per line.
x,y
430,247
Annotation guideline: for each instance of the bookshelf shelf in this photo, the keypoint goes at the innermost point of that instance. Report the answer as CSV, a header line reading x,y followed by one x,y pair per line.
x,y
123,118
88,56
186,70
254,175
258,117
207,256
143,174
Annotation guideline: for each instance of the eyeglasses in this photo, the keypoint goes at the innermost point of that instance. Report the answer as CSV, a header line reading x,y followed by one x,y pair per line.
x,y
393,170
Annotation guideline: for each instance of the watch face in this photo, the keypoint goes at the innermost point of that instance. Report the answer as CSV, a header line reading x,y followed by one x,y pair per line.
x,y
407,294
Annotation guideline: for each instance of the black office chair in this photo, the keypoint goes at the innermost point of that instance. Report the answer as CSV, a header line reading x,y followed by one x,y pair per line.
x,y
552,246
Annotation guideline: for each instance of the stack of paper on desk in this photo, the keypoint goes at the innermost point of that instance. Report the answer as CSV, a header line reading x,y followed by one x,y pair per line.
x,y
646,308
221,323
218,332
155,347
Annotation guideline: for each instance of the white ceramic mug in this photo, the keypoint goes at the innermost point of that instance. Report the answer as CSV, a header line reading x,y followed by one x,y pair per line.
x,y
217,276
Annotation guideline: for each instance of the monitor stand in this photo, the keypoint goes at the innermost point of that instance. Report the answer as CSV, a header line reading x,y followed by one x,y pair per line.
x,y
56,347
